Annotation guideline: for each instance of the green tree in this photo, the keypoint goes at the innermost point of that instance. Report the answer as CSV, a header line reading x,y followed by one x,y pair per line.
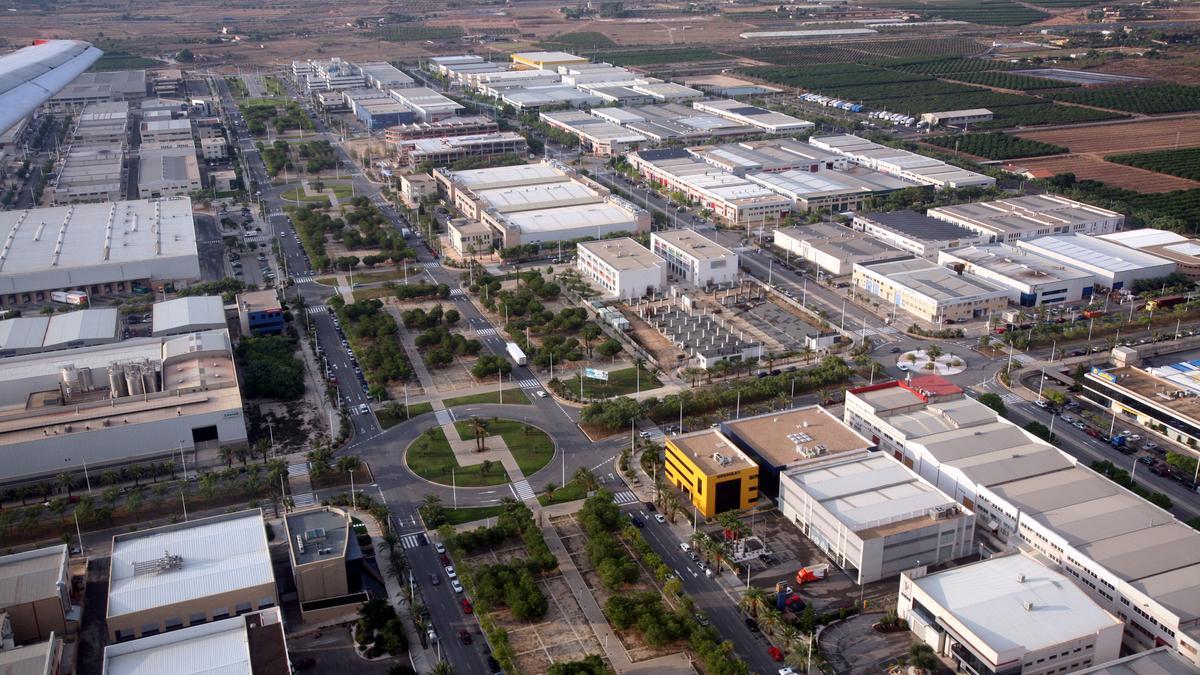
x,y
994,402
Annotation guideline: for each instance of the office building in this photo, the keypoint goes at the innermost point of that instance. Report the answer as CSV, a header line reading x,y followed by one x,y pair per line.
x,y
1113,265
1029,217
597,136
1012,613
190,573
260,313
714,473
323,551
470,237
99,87
439,152
928,291
917,233
833,248
249,644
166,131
694,258
467,125
106,248
213,149
1159,661
40,333
1182,251
546,60
429,105
621,269
792,438
957,118
674,122
377,109
760,118
384,76
189,314
416,186
1031,280
106,405
874,517
327,75
902,163
35,594
169,172
1166,398
731,199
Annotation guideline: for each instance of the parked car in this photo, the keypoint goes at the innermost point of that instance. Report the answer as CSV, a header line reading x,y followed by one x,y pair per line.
x,y
751,624
439,547
464,636
637,522
702,619
774,653
466,606
659,518
450,572
458,587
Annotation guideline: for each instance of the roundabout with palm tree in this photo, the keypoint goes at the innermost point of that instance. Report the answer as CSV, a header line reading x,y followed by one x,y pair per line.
x,y
479,452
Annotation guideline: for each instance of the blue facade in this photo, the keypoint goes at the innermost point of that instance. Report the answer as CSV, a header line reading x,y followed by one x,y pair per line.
x,y
385,119
266,322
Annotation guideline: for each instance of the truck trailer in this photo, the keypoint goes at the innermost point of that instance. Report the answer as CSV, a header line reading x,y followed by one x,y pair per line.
x,y
69,297
515,353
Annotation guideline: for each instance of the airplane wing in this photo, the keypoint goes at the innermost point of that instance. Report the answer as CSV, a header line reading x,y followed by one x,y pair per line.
x,y
33,74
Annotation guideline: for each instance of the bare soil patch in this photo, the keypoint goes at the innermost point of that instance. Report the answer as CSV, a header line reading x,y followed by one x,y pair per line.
x,y
1093,167
1124,136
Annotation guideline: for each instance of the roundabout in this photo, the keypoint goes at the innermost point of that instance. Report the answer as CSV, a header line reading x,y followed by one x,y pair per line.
x,y
479,452
933,361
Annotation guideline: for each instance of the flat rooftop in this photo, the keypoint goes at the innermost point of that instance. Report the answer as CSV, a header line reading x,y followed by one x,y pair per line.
x,y
623,254
101,234
1160,661
841,242
220,554
250,644
1175,387
989,598
570,217
259,301
711,452
1145,237
672,120
30,576
1018,264
548,57
872,495
759,117
323,531
934,281
694,244
593,127
1094,252
521,174
919,225
537,196
768,155
802,184
1029,212
782,438
195,310
34,659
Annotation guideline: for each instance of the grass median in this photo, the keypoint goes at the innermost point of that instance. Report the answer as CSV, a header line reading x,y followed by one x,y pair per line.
x,y
530,446
431,458
620,383
512,395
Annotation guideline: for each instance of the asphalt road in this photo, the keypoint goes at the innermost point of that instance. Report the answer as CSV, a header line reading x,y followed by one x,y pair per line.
x,y
445,611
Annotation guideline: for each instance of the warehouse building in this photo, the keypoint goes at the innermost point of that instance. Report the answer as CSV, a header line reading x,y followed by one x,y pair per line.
x,y
106,248
250,644
674,122
799,437
439,152
81,328
1031,280
694,258
111,404
839,191
714,473
874,517
1160,661
494,83
39,658
169,172
957,118
902,163
468,125
384,76
1113,265
621,269
35,594
916,233
532,99
89,174
928,291
775,155
102,124
731,199
516,198
260,313
166,578
596,136
1182,251
567,223
99,87
189,314
833,248
1029,217
442,64
429,105
1132,558
766,120
1011,613
377,109
167,131
323,550
546,60
460,185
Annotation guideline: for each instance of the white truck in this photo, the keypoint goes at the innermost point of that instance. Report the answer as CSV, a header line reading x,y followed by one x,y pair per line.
x,y
69,297
515,353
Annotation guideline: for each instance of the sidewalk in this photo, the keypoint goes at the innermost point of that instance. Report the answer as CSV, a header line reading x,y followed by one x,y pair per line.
x,y
422,660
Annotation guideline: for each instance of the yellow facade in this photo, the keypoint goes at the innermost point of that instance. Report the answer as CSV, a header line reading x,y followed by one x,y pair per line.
x,y
545,61
703,485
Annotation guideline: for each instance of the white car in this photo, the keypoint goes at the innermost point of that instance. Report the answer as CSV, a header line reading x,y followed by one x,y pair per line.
x,y
540,394
450,572
439,547
364,409
659,518
787,671
683,546
456,586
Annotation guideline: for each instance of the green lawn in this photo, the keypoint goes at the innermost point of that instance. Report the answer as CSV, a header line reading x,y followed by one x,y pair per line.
x,y
430,458
341,190
469,514
570,492
511,395
387,420
620,383
376,277
530,446
298,193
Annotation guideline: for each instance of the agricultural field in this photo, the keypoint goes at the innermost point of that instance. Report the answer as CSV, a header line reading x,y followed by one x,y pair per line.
x,y
1001,80
996,145
1126,137
124,61
656,56
890,52
579,40
983,12
418,33
1063,4
1093,167
1183,163
1146,99
952,66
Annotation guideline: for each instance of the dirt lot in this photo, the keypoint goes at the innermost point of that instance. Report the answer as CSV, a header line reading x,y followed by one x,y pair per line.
x,y
655,343
1123,137
1117,175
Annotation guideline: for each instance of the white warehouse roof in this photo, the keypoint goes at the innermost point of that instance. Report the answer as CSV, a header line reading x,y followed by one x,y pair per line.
x,y
569,217
220,554
1094,252
218,648
188,314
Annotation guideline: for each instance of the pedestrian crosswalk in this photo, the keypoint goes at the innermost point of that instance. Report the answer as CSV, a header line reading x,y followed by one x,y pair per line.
x,y
485,332
1011,398
529,384
303,499
868,332
624,497
457,293
296,470
1023,359
410,540
522,490
435,265
318,309
443,417
303,279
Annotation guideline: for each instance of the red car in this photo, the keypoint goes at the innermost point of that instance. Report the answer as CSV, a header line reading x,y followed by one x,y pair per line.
x,y
775,654
466,606
444,559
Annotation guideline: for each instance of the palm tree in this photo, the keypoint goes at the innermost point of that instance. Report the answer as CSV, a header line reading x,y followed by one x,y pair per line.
x,y
586,479
671,505
921,656
242,454
807,354
551,488
753,601
486,466
788,634
769,619
66,481
933,351
985,341
442,668
479,429
226,454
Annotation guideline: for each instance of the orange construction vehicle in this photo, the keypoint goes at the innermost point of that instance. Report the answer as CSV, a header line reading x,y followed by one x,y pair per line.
x,y
811,573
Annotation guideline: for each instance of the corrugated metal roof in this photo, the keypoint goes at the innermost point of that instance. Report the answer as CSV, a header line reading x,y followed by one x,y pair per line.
x,y
196,311
32,575
87,324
